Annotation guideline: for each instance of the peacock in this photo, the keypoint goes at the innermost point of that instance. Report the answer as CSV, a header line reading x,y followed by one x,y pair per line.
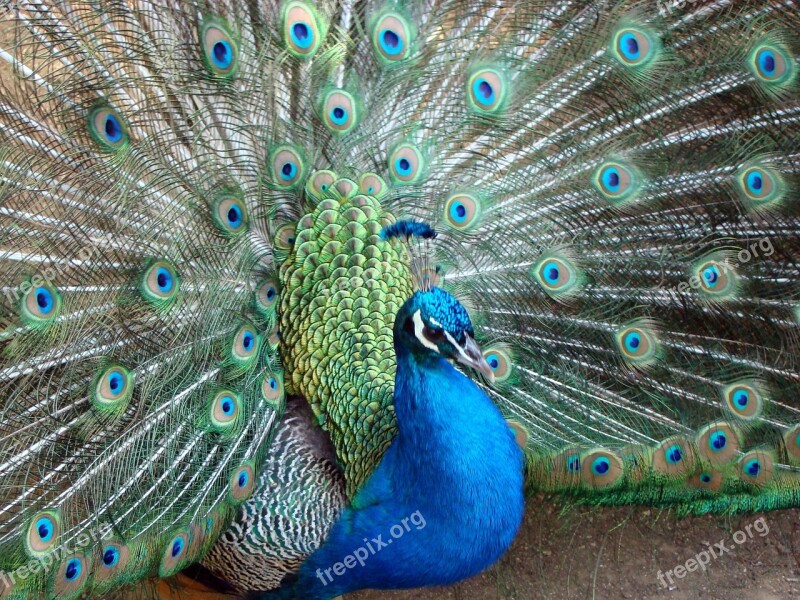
x,y
299,297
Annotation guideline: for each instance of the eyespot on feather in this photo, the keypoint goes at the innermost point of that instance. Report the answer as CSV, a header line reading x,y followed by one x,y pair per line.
x,y
40,305
756,467
267,295
175,554
229,213
487,91
760,186
718,443
159,283
564,470
372,185
634,47
242,483
717,280
772,64
245,346
618,183
224,410
272,389
108,129
71,577
220,50
320,183
406,164
285,237
500,362
303,29
601,468
638,343
391,38
557,275
706,479
339,111
791,439
462,211
112,389
43,533
674,457
744,399
114,557
288,166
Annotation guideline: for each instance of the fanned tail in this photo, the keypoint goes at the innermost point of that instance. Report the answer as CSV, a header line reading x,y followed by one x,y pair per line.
x,y
616,189
614,184
140,380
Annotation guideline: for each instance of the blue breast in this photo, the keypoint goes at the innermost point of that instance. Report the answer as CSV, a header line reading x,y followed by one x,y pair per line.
x,y
445,502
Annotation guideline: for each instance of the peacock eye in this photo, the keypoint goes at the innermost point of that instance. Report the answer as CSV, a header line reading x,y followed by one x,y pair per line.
x,y
339,111
391,37
303,29
487,90
771,63
107,128
229,214
321,182
462,211
372,184
633,47
433,335
220,51
760,186
408,326
406,164
616,182
287,166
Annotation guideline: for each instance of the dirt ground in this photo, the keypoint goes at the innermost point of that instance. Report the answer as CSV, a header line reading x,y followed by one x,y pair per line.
x,y
617,553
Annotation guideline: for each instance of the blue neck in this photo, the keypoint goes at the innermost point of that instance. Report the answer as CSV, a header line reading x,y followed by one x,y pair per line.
x,y
455,464
452,440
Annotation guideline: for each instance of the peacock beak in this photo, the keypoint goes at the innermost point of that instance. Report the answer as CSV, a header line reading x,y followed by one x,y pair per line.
x,y
470,355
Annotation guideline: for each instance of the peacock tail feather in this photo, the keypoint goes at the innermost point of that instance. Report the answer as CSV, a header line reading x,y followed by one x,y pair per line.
x,y
191,202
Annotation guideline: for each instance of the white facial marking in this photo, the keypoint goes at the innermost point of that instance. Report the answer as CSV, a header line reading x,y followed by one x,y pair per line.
x,y
418,327
461,352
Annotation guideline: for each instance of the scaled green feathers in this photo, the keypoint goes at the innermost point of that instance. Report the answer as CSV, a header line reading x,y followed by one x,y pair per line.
x,y
342,286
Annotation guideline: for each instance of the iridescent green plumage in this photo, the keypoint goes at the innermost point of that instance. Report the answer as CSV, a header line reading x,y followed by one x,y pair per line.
x,y
342,286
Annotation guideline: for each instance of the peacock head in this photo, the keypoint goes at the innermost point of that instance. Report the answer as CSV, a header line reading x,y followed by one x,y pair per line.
x,y
432,323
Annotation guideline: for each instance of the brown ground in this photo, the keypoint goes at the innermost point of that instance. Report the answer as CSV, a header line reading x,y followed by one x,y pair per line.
x,y
612,554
